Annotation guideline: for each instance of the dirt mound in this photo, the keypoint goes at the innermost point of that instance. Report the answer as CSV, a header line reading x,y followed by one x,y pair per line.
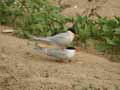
x,y
107,8
23,69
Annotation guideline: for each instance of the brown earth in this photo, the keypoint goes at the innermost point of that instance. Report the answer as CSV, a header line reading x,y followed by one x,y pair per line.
x,y
21,68
92,8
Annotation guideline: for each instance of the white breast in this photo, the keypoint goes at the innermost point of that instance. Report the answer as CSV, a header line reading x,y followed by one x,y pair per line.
x,y
70,53
71,35
61,54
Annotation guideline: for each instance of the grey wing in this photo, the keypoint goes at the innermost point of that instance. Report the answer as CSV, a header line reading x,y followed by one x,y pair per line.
x,y
40,38
61,39
46,40
51,38
57,53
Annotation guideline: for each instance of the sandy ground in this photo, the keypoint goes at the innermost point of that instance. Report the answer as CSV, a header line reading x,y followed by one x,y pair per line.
x,y
23,69
92,8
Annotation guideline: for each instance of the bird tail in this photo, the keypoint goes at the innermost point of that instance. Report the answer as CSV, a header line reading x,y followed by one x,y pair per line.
x,y
40,49
39,38
44,42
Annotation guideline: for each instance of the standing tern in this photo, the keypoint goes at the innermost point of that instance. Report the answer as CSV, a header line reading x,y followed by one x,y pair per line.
x,y
61,39
61,55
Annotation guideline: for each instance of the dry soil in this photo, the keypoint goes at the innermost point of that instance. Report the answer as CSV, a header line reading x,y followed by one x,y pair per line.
x,y
21,68
92,8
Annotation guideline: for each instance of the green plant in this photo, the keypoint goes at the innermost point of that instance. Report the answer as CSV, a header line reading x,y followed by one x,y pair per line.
x,y
108,33
10,10
105,31
35,17
84,27
92,87
43,19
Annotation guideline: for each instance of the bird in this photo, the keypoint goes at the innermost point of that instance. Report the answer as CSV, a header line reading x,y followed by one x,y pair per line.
x,y
58,54
61,39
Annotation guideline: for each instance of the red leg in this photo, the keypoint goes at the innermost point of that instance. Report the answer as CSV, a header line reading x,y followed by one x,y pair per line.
x,y
60,61
77,49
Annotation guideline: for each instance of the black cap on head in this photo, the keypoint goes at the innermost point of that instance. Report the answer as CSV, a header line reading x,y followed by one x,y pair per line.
x,y
71,29
71,48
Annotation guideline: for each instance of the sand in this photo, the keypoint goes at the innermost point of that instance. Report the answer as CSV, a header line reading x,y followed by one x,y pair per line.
x,y
21,68
92,8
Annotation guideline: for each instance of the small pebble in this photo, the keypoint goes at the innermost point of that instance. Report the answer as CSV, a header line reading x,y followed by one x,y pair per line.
x,y
3,56
75,6
7,30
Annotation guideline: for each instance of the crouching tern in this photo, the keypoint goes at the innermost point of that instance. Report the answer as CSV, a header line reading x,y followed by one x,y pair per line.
x,y
58,54
61,39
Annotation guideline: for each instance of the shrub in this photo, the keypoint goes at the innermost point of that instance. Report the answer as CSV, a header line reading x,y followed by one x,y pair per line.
x,y
105,31
35,17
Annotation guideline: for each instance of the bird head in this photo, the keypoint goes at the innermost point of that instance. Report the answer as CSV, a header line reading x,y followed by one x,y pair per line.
x,y
74,48
71,29
71,48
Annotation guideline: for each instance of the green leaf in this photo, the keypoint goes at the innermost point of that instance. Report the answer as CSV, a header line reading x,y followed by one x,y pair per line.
x,y
117,31
102,46
110,41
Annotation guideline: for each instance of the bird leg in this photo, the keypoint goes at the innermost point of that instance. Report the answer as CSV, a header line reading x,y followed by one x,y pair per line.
x,y
69,60
77,49
60,61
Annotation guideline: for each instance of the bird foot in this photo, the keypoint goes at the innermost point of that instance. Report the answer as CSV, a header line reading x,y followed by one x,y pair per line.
x,y
70,61
77,49
60,61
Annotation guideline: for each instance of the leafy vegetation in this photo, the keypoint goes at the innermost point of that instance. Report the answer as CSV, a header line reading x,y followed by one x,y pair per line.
x,y
105,31
38,17
92,87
